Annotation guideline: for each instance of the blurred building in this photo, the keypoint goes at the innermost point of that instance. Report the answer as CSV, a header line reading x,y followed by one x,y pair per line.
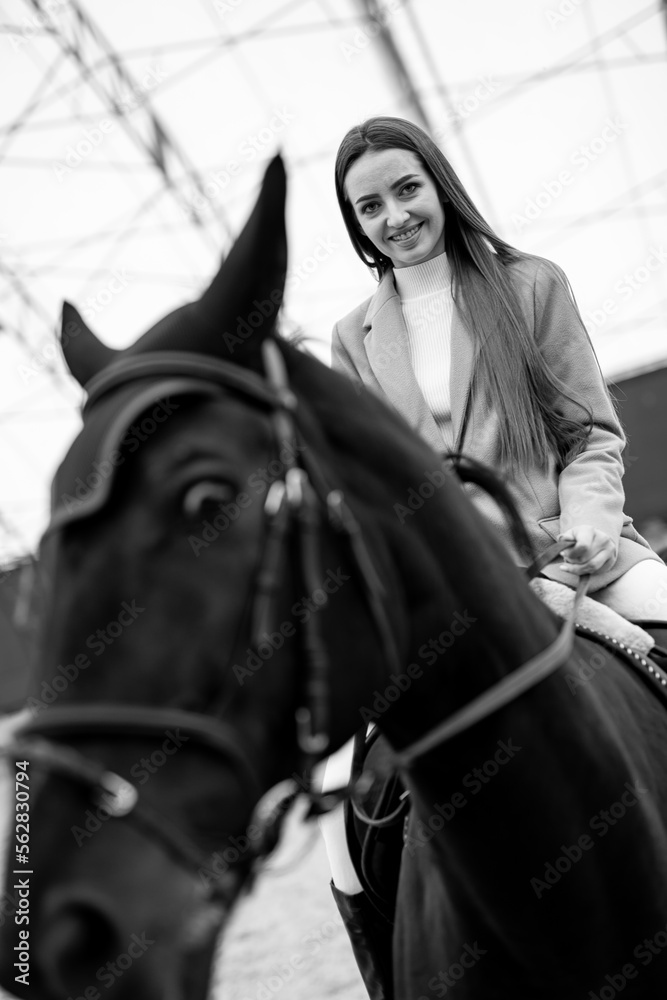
x,y
17,633
642,400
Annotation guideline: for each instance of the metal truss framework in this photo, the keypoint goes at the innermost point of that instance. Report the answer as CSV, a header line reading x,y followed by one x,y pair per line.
x,y
104,71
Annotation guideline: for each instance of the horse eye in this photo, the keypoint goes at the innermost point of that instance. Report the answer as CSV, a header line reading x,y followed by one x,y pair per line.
x,y
202,496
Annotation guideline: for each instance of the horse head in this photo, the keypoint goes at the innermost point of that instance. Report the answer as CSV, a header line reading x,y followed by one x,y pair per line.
x,y
241,567
187,615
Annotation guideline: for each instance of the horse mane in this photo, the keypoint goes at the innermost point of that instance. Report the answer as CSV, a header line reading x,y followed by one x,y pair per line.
x,y
469,470
434,558
379,444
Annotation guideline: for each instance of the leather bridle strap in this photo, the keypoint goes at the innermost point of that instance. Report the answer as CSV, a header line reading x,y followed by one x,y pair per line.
x,y
292,503
120,800
161,364
117,796
137,720
507,690
120,720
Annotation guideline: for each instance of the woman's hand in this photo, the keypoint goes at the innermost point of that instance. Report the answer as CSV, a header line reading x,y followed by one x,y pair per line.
x,y
593,550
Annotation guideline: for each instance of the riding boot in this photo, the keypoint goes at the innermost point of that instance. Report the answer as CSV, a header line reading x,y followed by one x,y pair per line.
x,y
371,937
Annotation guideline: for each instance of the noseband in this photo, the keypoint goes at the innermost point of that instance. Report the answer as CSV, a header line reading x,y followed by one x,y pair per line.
x,y
294,506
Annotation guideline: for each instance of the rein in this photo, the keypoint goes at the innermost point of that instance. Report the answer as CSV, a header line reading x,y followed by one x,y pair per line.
x,y
513,685
505,691
294,505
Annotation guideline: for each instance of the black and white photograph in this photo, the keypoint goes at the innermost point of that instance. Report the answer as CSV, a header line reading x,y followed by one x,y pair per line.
x,y
333,499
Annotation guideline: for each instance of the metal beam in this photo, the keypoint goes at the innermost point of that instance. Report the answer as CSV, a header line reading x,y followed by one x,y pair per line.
x,y
374,14
102,68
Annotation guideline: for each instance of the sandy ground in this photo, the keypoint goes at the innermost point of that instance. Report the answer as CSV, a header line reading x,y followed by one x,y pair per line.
x,y
286,938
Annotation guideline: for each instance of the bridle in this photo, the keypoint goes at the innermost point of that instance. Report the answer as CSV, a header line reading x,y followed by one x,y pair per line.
x,y
294,507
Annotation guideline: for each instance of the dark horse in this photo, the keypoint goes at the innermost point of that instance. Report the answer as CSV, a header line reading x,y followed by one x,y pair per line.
x,y
239,574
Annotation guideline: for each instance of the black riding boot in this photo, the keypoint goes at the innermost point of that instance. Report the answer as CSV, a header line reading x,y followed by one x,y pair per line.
x,y
370,934
376,856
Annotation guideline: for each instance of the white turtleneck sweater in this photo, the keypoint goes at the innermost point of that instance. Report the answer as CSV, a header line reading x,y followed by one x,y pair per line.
x,y
425,291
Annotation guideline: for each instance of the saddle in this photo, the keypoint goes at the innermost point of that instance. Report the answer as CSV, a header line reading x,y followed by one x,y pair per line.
x,y
596,616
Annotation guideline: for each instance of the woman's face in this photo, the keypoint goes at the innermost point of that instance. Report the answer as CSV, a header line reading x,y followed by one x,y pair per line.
x,y
397,205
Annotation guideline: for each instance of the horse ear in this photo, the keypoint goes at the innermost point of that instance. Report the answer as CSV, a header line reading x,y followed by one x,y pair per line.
x,y
84,353
241,305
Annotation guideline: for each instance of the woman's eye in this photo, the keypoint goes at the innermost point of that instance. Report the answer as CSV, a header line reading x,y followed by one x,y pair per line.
x,y
202,497
369,207
409,189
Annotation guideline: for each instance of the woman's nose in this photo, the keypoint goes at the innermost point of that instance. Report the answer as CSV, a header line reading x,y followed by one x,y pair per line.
x,y
397,215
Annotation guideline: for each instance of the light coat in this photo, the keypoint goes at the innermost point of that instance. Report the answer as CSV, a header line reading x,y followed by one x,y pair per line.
x,y
370,345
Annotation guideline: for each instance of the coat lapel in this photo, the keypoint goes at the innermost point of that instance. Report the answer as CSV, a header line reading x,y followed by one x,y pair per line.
x,y
388,352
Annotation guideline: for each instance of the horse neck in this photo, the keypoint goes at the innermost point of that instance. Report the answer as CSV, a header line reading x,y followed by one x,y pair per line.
x,y
482,623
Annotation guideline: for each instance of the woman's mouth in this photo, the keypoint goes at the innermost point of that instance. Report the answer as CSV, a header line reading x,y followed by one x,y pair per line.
x,y
407,235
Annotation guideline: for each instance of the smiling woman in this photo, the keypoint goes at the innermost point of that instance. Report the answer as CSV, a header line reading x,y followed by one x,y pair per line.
x,y
488,354
397,205
481,348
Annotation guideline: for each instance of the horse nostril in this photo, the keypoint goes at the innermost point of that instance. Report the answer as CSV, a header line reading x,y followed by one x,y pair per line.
x,y
75,940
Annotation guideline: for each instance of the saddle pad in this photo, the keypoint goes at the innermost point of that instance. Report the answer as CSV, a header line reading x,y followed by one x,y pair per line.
x,y
593,614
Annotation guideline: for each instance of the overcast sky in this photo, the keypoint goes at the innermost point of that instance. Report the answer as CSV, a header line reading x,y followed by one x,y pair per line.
x,y
552,112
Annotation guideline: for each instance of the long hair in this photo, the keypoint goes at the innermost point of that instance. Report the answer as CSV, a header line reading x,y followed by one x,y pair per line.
x,y
522,390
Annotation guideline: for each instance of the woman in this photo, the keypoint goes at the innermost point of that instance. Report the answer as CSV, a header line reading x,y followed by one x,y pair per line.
x,y
482,349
